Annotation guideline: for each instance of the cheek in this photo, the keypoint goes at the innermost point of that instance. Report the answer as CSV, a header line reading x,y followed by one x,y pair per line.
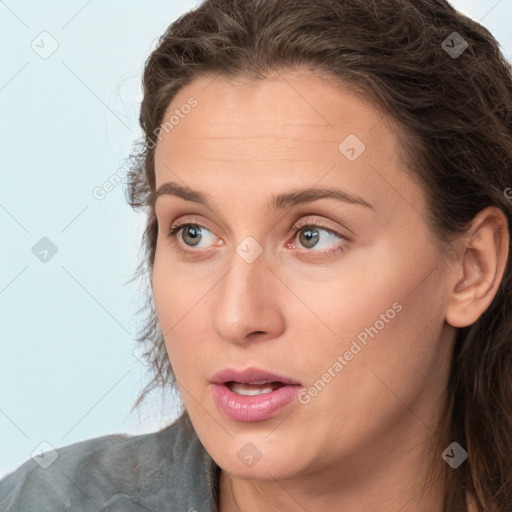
x,y
393,353
169,296
173,291
180,303
385,320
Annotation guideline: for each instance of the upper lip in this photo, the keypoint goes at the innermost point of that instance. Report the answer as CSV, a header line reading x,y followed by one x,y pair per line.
x,y
250,376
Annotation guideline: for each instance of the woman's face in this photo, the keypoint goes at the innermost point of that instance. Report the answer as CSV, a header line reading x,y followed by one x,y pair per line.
x,y
340,296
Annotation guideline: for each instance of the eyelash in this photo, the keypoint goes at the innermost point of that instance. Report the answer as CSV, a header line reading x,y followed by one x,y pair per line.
x,y
312,224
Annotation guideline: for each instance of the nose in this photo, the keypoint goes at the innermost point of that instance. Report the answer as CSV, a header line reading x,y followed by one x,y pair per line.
x,y
247,304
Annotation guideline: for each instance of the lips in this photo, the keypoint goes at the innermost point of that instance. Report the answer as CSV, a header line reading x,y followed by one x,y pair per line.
x,y
253,394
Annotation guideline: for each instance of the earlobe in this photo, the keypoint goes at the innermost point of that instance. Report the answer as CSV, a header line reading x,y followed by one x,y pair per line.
x,y
479,271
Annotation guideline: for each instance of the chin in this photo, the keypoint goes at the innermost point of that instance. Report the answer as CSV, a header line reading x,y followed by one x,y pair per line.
x,y
253,457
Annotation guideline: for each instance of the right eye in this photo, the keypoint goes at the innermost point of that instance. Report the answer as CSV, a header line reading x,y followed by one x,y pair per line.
x,y
192,234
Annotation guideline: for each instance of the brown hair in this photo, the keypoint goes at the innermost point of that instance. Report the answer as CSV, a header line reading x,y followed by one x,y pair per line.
x,y
456,112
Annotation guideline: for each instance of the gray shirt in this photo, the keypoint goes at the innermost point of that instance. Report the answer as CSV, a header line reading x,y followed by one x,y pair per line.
x,y
168,470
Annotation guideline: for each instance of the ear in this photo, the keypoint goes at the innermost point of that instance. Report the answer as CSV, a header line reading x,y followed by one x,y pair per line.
x,y
479,270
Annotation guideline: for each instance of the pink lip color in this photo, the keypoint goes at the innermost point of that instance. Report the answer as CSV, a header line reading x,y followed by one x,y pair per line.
x,y
252,408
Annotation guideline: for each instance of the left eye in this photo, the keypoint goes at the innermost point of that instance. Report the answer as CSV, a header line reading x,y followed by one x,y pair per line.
x,y
310,236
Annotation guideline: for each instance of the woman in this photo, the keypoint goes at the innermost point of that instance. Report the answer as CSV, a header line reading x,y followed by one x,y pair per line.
x,y
328,197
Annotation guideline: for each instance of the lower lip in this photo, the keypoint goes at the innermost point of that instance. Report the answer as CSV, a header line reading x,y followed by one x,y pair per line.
x,y
253,408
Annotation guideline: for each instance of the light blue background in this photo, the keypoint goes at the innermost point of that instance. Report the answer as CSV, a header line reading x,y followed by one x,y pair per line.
x,y
67,328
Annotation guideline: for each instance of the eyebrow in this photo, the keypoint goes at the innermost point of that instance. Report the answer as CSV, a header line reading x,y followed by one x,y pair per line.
x,y
277,202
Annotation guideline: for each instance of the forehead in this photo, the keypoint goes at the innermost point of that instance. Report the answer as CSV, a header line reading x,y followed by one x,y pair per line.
x,y
292,107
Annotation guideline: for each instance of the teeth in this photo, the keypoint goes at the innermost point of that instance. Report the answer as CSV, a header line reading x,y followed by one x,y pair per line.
x,y
258,388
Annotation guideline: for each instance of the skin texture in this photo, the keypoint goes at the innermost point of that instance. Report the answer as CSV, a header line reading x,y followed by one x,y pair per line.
x,y
365,440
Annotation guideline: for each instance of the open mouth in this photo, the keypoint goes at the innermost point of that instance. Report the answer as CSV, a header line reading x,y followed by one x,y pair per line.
x,y
254,388
252,394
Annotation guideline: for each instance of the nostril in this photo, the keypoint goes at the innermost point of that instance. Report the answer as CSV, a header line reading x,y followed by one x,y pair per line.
x,y
255,333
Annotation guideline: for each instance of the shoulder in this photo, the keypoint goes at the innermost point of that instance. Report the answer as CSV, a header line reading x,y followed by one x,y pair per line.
x,y
117,473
